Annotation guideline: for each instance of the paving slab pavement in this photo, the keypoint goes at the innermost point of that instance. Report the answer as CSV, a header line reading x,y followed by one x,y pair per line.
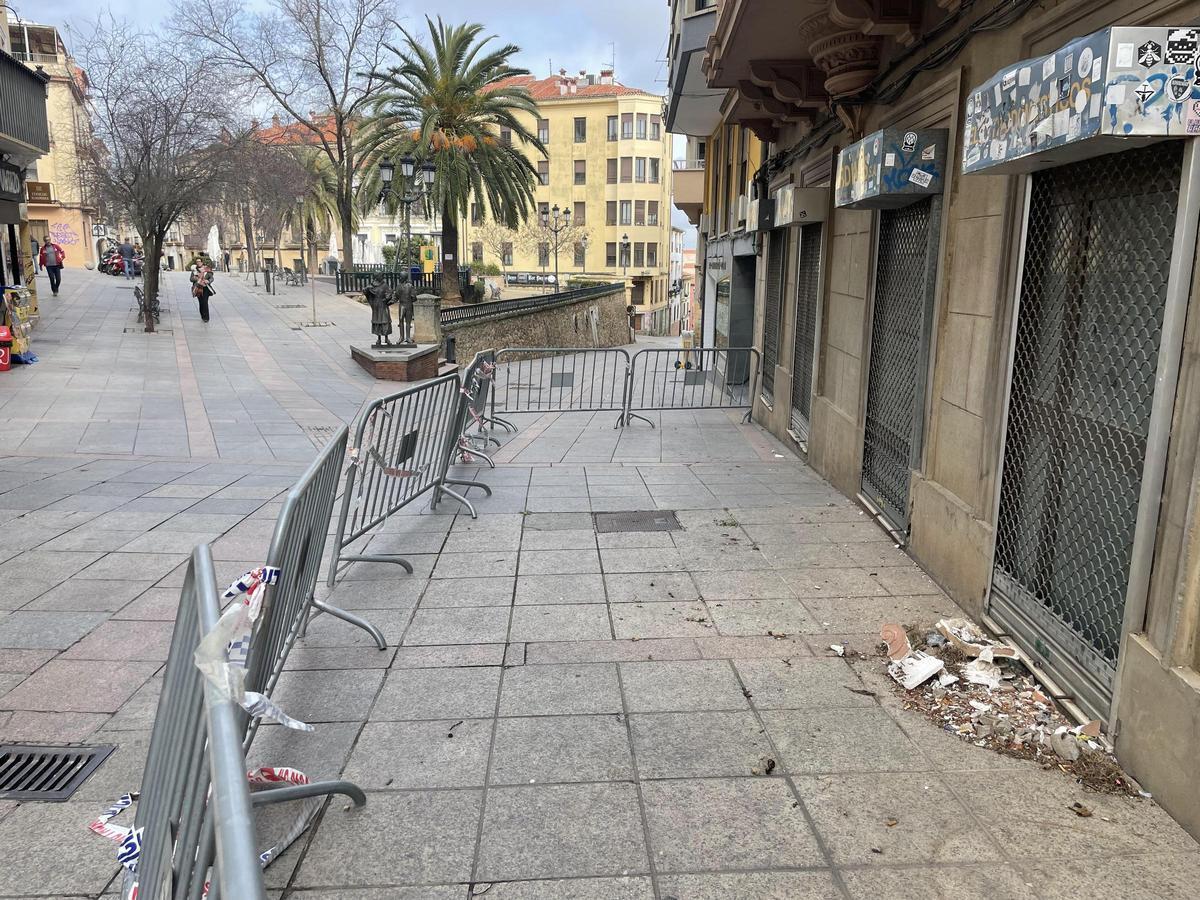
x,y
561,713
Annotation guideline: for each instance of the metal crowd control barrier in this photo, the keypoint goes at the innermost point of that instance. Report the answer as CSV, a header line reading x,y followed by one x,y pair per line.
x,y
662,378
477,389
556,379
195,810
403,444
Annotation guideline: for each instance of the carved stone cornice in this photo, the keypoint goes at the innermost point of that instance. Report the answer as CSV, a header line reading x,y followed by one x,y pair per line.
x,y
849,59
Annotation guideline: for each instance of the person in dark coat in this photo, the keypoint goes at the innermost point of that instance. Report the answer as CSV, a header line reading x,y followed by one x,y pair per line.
x,y
380,298
202,287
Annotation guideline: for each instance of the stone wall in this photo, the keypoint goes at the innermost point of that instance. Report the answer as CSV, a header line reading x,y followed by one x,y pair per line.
x,y
589,322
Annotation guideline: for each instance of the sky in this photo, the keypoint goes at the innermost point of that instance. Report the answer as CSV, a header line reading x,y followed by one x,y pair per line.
x,y
552,34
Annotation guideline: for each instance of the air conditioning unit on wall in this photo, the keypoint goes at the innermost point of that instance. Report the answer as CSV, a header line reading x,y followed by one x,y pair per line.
x,y
743,207
799,206
705,223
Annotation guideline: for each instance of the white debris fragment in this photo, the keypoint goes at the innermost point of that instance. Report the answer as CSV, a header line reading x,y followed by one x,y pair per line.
x,y
915,669
982,670
839,649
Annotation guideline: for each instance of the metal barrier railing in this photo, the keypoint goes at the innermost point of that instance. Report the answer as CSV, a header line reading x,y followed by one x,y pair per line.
x,y
297,548
450,315
477,381
555,379
403,444
359,278
194,831
196,742
662,378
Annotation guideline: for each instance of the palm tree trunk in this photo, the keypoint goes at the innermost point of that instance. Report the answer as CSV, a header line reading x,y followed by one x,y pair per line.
x,y
451,286
345,206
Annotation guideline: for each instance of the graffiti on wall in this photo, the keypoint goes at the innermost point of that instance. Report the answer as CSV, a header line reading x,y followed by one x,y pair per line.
x,y
891,168
62,234
1118,82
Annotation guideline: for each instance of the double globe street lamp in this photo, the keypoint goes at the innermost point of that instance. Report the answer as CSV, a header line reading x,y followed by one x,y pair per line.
x,y
556,221
409,191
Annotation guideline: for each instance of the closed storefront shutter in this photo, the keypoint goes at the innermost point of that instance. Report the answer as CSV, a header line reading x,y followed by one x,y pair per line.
x,y
808,273
776,275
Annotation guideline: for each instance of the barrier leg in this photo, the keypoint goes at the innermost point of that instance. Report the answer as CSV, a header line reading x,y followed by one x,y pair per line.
x,y
304,791
366,626
468,484
368,557
632,415
503,423
459,497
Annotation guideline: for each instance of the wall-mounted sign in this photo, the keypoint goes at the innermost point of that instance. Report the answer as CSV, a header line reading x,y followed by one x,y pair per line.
x,y
799,206
1116,88
891,168
10,184
38,191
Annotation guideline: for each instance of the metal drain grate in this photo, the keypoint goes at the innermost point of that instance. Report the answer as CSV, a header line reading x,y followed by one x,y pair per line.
x,y
636,520
31,772
290,306
141,330
321,435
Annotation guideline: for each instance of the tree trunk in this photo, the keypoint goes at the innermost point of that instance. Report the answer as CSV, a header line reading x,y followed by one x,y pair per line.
x,y
451,286
152,244
248,226
346,214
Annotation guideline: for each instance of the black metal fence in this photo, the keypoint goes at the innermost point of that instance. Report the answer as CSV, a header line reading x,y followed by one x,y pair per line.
x,y
359,278
501,307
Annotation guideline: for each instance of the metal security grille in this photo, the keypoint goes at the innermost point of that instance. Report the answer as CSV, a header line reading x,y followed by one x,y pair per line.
x,y
808,271
904,278
776,275
1093,295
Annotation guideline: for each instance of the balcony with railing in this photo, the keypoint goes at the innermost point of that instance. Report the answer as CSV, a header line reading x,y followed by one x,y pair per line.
x,y
688,184
23,128
691,108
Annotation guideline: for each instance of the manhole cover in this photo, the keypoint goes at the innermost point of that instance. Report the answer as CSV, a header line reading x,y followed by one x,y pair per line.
x,y
142,330
637,520
321,435
46,773
290,306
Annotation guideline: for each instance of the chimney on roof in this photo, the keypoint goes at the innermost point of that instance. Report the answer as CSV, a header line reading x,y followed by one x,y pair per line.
x,y
312,115
606,76
574,84
275,120
562,72
254,124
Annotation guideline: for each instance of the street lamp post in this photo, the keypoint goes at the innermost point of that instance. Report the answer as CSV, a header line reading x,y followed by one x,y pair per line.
x,y
556,222
409,191
625,256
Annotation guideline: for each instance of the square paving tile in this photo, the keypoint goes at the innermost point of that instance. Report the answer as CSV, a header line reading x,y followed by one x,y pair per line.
x,y
863,614
755,886
555,690
476,564
548,589
680,686
802,683
114,639
566,622
747,618
480,625
49,728
559,562
343,695
648,559
445,753
437,693
661,620
84,595
741,585
46,630
851,813
560,831
79,686
983,882
496,590
417,837
727,824
636,888
842,740
134,566
641,587
561,748
566,539
40,838
697,744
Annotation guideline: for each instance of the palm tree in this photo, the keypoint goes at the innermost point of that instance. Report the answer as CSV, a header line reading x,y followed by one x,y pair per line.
x,y
449,101
318,206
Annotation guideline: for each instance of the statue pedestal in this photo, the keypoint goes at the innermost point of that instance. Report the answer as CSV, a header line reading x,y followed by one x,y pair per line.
x,y
398,363
427,320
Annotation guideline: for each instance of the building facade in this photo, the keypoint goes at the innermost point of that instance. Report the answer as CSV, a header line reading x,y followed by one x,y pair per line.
x,y
608,164
61,208
966,260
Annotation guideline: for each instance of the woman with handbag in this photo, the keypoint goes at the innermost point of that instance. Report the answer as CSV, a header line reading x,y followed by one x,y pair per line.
x,y
202,289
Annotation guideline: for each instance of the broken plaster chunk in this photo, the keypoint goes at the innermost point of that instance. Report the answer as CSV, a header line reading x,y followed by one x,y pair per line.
x,y
896,639
914,669
839,649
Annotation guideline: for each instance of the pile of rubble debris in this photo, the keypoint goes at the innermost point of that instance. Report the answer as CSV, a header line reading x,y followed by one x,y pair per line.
x,y
981,691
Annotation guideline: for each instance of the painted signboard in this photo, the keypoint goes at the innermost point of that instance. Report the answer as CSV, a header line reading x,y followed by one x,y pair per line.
x,y
1116,88
891,168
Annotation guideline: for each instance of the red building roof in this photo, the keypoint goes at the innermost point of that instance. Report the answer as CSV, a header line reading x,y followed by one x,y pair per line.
x,y
550,88
297,133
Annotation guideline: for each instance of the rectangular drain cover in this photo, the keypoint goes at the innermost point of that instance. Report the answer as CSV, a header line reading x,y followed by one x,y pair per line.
x,y
32,772
290,306
637,520
141,329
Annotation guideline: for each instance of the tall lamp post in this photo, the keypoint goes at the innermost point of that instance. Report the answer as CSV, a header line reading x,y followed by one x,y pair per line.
x,y
556,221
409,191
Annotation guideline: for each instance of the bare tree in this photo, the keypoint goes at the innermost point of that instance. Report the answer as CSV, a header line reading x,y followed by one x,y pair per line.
x,y
537,234
496,238
162,135
305,55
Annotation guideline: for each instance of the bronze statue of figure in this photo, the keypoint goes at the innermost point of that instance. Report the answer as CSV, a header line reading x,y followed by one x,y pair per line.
x,y
405,294
380,298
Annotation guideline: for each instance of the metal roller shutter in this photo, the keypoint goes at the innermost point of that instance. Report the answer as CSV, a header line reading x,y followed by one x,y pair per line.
x,y
808,272
776,275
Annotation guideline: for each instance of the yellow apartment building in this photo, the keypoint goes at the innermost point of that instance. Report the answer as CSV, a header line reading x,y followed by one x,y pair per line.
x,y
60,207
609,164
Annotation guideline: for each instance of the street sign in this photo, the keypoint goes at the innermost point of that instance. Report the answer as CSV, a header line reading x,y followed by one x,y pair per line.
x,y
99,231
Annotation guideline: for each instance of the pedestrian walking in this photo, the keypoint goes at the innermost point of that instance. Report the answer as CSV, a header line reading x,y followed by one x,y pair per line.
x,y
202,287
33,242
52,258
127,259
